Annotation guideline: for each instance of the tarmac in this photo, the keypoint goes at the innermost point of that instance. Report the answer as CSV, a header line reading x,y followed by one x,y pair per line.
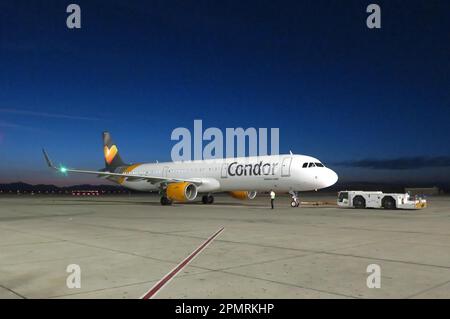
x,y
125,244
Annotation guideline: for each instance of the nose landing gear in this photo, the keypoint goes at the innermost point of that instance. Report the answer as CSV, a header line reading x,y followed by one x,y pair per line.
x,y
295,200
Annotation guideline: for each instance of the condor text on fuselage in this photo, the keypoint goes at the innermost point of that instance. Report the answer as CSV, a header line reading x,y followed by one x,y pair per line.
x,y
236,169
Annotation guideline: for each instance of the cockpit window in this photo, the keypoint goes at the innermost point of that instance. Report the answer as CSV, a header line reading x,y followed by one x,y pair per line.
x,y
305,165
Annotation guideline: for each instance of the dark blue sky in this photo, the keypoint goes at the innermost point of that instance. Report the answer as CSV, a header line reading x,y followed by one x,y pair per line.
x,y
336,89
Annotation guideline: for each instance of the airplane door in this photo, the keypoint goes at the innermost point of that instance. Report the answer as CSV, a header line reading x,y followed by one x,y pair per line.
x,y
286,167
224,170
164,172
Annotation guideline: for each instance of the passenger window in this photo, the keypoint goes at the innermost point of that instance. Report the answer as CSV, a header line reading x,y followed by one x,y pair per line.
x,y
305,165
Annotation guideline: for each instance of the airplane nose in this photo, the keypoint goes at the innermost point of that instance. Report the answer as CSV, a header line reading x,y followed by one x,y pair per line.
x,y
332,177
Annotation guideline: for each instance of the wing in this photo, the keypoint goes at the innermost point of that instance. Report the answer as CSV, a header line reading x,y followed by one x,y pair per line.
x,y
127,176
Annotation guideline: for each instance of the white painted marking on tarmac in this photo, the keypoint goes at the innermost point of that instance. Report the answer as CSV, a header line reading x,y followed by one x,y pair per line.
x,y
167,278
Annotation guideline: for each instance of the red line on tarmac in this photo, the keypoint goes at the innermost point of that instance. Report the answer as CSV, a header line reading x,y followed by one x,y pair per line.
x,y
165,280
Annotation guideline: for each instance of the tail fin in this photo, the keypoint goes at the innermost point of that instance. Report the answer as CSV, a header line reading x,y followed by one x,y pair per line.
x,y
111,153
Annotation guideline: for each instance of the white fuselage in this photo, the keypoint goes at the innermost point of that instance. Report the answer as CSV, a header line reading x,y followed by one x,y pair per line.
x,y
282,173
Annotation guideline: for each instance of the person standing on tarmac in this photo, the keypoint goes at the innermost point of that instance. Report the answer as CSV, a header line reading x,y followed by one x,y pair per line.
x,y
272,197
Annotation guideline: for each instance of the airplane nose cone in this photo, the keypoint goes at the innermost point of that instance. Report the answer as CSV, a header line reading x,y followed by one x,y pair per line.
x,y
330,178
333,178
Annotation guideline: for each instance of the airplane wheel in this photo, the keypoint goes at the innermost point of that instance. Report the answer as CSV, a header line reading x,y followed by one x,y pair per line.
x,y
165,201
205,199
359,202
389,203
294,204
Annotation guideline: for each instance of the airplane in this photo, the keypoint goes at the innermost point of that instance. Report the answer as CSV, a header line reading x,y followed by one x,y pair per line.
x,y
241,177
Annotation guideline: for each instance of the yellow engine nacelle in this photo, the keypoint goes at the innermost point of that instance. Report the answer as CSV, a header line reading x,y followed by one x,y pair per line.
x,y
181,192
243,194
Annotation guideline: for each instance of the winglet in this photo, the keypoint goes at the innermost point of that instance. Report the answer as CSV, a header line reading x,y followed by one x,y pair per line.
x,y
47,159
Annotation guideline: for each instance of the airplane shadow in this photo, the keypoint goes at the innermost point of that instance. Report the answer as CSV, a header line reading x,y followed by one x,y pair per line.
x,y
147,203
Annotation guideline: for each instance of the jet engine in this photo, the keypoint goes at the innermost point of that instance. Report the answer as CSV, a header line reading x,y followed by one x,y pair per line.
x,y
181,192
243,194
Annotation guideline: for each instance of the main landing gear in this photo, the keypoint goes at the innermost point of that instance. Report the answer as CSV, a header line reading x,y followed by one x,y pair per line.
x,y
165,201
295,200
207,199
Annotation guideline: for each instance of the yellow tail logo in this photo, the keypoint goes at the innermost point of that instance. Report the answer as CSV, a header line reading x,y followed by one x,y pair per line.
x,y
110,153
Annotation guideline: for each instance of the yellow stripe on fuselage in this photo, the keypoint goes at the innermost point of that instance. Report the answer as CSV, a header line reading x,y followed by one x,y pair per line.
x,y
129,169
